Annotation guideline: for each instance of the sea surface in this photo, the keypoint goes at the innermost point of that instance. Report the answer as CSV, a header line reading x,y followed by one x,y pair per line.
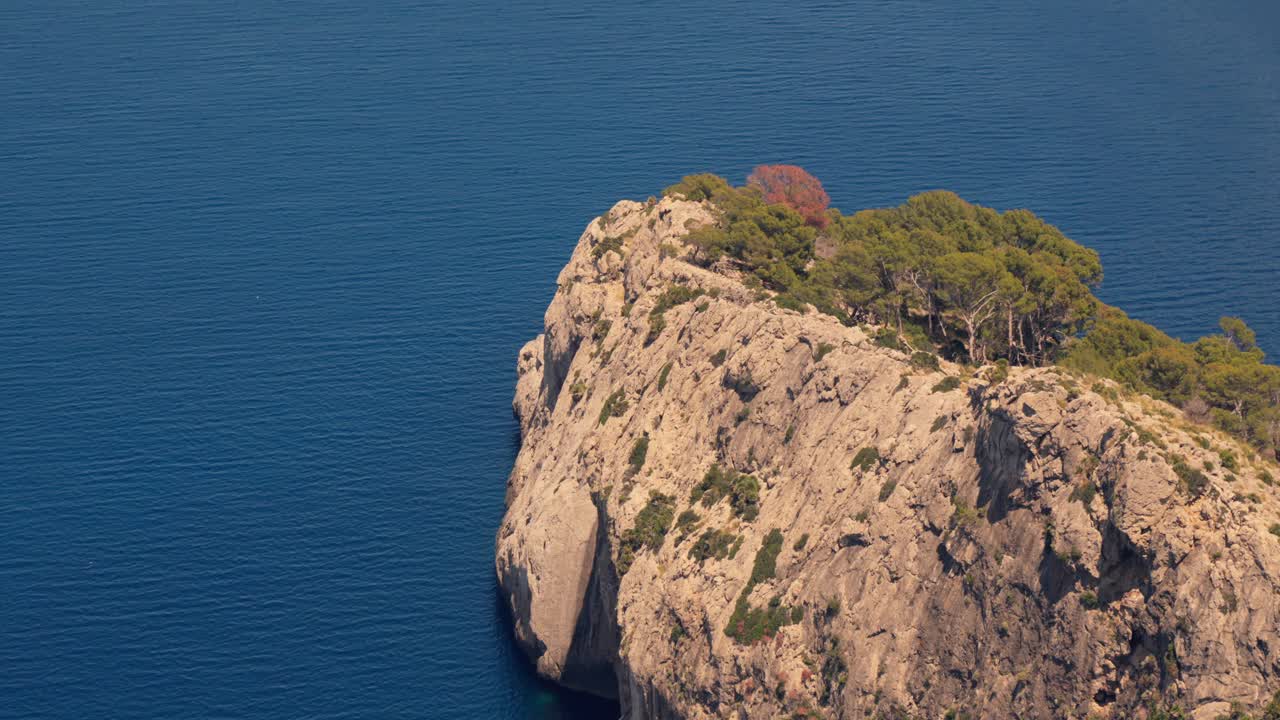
x,y
265,267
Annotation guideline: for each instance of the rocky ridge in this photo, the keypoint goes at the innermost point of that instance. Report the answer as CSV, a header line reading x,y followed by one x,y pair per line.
x,y
1039,545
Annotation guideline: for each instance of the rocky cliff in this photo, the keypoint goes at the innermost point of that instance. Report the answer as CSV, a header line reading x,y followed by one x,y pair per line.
x,y
722,508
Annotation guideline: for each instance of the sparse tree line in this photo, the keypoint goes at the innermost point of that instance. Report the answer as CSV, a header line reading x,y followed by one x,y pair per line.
x,y
975,285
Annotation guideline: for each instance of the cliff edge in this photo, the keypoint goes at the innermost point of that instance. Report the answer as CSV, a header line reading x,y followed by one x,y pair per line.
x,y
722,508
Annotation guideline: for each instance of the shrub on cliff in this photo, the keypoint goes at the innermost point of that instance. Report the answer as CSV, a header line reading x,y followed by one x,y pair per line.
x,y
704,186
867,458
713,543
639,452
743,491
749,624
650,529
671,297
614,406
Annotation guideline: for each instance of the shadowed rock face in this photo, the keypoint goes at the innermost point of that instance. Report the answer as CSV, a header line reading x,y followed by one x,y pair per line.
x,y
1017,549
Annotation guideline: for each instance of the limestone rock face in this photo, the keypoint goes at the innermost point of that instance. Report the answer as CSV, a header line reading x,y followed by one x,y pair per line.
x,y
1014,547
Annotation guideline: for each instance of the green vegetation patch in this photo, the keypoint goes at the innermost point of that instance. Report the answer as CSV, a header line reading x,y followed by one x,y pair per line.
x,y
671,297
686,524
1084,493
650,529
612,243
949,383
925,360
712,543
1229,461
663,374
1190,481
639,452
614,406
964,515
867,458
699,187
742,490
887,489
749,624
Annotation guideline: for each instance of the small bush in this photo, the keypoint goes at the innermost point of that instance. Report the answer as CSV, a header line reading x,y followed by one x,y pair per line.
x,y
799,544
650,529
1229,461
888,337
1084,493
1266,478
743,491
1088,465
614,406
1275,529
742,415
1106,391
1089,600
703,186
964,515
822,351
865,459
601,330
609,243
712,544
685,524
887,489
662,376
639,452
791,433
1191,481
748,624
940,423
671,297
577,390
925,360
718,358
949,383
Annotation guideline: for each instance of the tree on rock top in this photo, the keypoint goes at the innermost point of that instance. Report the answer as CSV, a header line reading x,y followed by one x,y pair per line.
x,y
792,186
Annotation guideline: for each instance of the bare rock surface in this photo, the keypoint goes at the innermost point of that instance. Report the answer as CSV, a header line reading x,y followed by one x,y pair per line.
x,y
1017,547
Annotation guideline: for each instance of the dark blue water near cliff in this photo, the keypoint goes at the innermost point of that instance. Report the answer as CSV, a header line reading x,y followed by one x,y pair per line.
x,y
264,269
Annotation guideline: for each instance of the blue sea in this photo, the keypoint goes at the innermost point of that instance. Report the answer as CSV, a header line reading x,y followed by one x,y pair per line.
x,y
265,267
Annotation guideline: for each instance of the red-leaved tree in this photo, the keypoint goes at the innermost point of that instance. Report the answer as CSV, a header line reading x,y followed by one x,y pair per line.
x,y
795,188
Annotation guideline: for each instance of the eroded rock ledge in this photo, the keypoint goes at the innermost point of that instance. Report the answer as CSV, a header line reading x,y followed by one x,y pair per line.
x,y
1028,547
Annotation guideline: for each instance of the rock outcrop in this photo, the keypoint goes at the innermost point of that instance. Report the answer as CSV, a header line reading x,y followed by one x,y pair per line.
x,y
1040,545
